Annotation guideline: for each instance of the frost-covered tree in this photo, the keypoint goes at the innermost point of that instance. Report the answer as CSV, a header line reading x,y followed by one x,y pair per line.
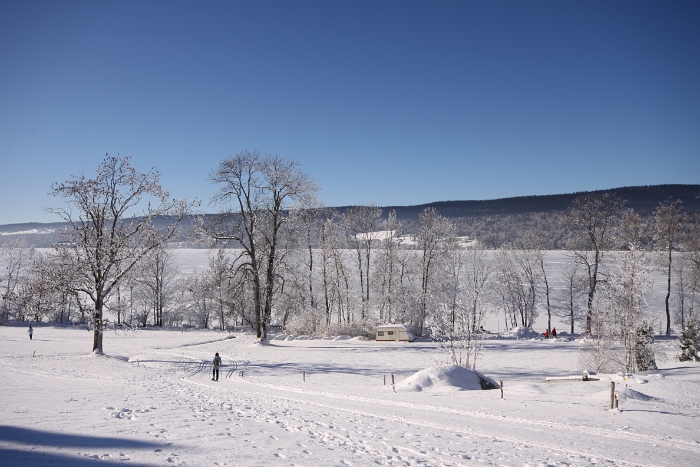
x,y
17,255
107,235
593,216
255,192
622,310
335,274
157,274
434,232
517,281
456,323
687,289
568,298
667,223
363,223
203,301
386,271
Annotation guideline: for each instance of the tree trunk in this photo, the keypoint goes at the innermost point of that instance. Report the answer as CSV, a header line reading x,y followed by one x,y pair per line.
x,y
668,294
97,336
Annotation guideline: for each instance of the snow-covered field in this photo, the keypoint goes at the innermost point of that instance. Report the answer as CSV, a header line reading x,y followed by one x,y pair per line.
x,y
150,400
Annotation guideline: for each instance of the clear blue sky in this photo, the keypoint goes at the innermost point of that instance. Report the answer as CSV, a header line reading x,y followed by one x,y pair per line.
x,y
395,103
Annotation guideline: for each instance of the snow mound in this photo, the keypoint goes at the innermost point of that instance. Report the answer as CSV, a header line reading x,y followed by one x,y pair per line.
x,y
522,333
631,394
290,338
342,338
280,337
447,377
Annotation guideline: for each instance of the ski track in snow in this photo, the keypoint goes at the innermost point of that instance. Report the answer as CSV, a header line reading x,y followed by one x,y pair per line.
x,y
168,398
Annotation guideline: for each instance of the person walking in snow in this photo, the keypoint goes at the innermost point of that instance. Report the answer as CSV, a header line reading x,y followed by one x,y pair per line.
x,y
554,332
216,363
30,331
546,333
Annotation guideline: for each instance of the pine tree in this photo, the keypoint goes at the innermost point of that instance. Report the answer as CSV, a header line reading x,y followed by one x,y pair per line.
x,y
690,342
644,352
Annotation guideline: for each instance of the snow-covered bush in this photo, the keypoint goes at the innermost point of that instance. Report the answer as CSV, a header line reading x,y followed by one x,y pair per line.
x,y
690,343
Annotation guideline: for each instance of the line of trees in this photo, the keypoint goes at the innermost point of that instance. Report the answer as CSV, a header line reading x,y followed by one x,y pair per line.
x,y
279,258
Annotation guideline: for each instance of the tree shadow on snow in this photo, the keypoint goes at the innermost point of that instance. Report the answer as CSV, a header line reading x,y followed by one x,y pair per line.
x,y
289,368
32,438
19,458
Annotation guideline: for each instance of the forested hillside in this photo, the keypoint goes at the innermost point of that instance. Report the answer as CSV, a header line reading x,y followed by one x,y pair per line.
x,y
494,222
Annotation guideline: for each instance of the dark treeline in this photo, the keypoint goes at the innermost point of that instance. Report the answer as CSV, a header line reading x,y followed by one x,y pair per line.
x,y
493,222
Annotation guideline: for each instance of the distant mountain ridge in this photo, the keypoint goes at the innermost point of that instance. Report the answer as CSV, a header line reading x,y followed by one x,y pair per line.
x,y
642,199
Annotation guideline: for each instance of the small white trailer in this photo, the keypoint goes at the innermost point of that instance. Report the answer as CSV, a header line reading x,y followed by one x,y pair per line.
x,y
393,333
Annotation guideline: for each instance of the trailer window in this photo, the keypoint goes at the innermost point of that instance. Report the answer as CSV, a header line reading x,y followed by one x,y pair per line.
x,y
391,333
380,333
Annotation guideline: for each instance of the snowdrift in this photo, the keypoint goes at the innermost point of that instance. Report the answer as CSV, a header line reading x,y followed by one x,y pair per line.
x,y
631,394
446,377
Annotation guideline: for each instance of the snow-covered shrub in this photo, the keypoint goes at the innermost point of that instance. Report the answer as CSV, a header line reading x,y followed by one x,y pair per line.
x,y
690,343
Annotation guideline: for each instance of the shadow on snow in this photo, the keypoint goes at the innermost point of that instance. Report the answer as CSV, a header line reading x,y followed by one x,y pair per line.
x,y
32,438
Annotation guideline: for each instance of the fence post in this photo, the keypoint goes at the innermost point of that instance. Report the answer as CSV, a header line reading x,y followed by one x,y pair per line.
x,y
612,395
384,380
501,388
303,376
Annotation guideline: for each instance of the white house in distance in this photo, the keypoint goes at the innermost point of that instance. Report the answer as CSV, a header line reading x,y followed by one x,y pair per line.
x,y
393,333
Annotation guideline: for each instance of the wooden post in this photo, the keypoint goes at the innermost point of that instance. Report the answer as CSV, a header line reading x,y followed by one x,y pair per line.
x,y
612,395
392,379
303,376
384,380
501,389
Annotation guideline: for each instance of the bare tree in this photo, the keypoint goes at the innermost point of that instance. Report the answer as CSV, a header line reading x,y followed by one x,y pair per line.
x,y
200,291
667,222
256,190
386,270
517,285
624,332
479,268
687,287
17,254
433,232
101,237
157,274
363,223
456,324
593,216
336,275
568,297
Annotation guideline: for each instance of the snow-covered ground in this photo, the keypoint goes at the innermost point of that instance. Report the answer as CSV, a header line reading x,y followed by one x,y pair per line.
x,y
150,400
